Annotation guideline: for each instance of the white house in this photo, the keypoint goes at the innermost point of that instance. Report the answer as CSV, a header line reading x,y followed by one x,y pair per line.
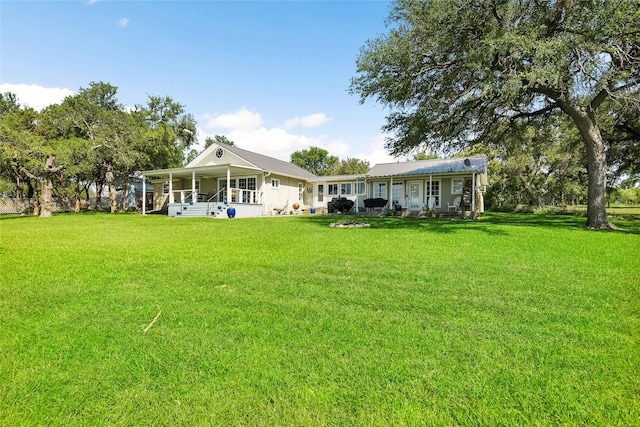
x,y
440,185
224,176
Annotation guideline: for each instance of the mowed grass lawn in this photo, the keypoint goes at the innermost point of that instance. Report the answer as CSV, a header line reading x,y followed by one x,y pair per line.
x,y
510,320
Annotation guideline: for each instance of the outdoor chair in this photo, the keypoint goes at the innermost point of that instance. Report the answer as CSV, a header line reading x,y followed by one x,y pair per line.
x,y
454,205
431,203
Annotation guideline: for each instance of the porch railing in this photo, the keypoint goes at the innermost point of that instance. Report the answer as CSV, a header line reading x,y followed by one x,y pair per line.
x,y
211,199
238,195
184,196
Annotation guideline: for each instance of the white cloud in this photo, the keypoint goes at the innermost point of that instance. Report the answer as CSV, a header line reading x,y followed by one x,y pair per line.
x,y
312,120
375,152
249,132
36,96
123,22
242,119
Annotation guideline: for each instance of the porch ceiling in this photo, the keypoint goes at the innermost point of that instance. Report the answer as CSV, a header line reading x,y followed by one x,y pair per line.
x,y
201,172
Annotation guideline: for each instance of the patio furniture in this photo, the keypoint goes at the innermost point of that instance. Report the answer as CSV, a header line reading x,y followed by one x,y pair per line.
x,y
431,203
375,203
339,204
454,205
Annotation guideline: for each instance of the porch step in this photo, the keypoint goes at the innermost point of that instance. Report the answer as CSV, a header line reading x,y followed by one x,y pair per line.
x,y
195,211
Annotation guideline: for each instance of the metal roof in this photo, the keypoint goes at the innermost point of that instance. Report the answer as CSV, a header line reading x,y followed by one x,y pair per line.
x,y
430,167
270,164
354,177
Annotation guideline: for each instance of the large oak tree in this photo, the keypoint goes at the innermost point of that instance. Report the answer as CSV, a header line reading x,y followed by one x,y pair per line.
x,y
455,72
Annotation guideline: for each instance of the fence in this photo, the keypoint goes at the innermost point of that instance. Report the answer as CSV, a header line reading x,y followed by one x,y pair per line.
x,y
15,206
10,205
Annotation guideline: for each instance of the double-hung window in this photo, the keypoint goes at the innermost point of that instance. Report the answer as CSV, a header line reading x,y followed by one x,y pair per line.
x,y
457,185
380,190
433,190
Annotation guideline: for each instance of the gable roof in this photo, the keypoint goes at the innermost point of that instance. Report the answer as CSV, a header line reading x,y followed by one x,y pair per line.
x,y
266,163
428,167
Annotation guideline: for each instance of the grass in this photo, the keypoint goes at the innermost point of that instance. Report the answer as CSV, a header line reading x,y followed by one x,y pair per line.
x,y
510,320
615,211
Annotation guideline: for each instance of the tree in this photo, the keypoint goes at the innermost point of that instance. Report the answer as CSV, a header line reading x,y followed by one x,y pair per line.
x,y
89,138
423,156
456,72
219,139
535,166
95,115
171,131
30,157
350,166
315,160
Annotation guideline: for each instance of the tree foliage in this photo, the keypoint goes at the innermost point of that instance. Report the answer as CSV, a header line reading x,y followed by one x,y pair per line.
x,y
315,160
350,166
458,72
219,139
536,166
88,140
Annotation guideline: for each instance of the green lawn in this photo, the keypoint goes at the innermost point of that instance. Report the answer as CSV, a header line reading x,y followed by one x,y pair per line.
x,y
510,320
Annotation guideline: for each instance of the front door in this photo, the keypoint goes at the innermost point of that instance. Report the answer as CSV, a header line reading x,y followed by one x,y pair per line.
x,y
320,196
415,195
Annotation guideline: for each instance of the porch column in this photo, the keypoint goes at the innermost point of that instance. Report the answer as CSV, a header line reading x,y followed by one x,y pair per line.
x,y
473,195
431,195
356,204
144,195
263,193
171,188
228,185
194,196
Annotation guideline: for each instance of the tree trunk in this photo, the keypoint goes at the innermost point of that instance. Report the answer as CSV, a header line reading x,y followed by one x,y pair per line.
x,y
77,195
112,198
99,186
46,188
596,170
110,178
36,202
124,195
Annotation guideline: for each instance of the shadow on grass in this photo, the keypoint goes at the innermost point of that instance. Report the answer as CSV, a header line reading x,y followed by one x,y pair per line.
x,y
415,224
489,223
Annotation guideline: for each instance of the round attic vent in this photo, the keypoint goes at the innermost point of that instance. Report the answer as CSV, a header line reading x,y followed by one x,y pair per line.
x,y
219,153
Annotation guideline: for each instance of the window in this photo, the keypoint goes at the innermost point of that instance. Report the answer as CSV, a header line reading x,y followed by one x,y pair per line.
x,y
456,185
300,191
434,191
414,195
223,184
397,192
275,183
333,190
380,190
345,189
320,192
165,188
360,187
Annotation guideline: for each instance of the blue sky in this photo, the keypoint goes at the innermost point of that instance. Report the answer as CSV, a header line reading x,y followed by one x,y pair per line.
x,y
270,75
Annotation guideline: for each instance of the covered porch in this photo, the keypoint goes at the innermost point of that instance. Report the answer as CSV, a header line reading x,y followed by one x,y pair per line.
x,y
207,191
